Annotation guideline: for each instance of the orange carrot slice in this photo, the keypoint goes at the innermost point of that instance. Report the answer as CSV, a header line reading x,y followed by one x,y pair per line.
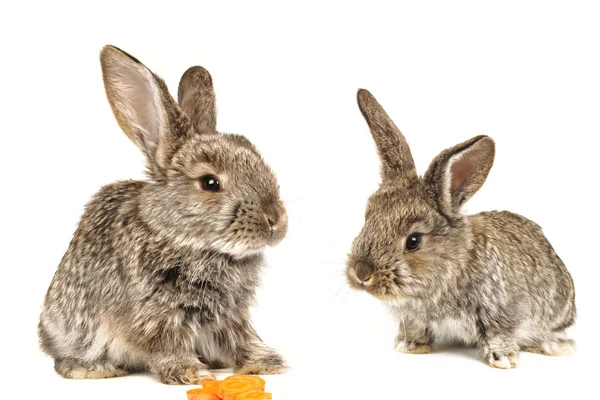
x,y
260,382
254,396
237,384
210,384
202,394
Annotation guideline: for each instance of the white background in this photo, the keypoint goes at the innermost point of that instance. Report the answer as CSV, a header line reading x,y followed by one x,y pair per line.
x,y
525,73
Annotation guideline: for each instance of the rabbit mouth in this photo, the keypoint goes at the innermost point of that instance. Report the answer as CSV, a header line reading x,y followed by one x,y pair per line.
x,y
386,286
276,236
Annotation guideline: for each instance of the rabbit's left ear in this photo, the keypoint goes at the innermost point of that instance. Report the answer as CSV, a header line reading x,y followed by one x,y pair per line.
x,y
396,159
143,107
458,172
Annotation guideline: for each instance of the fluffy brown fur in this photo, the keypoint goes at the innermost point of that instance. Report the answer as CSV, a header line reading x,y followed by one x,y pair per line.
x,y
490,280
161,273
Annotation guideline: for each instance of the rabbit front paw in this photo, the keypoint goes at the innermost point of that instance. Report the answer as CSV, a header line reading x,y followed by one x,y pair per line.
x,y
503,359
266,364
184,374
501,352
413,347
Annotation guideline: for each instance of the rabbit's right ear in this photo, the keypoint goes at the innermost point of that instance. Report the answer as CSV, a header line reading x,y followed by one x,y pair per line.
x,y
196,98
458,172
143,107
396,158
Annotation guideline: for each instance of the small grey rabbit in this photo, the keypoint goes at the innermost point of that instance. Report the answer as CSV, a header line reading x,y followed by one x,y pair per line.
x,y
161,273
490,280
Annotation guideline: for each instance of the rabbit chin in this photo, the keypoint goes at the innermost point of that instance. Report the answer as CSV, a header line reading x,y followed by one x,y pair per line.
x,y
238,250
386,295
235,250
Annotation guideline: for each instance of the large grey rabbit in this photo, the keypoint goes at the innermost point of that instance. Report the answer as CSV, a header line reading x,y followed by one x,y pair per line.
x,y
491,280
161,273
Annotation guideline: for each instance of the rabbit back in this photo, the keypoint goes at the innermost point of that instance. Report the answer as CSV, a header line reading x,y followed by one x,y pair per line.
x,y
87,276
522,273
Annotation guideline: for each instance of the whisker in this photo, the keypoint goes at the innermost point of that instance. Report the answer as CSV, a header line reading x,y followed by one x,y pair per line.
x,y
336,294
346,297
286,201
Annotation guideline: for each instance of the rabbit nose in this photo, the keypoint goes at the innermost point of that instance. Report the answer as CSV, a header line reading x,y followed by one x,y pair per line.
x,y
364,271
272,218
272,214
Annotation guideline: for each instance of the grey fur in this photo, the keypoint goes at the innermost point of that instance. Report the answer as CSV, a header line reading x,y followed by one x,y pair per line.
x,y
160,274
490,280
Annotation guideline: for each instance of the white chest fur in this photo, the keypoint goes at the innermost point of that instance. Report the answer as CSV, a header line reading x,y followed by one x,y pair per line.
x,y
452,330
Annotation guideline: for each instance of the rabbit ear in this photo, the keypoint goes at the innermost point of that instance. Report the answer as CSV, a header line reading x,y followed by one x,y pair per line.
x,y
196,97
143,107
457,173
396,159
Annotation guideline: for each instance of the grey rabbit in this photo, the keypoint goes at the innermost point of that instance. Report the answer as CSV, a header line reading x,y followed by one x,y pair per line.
x,y
161,273
490,280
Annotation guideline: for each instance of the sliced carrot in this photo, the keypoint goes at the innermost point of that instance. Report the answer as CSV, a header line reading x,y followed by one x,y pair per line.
x,y
236,384
254,396
202,394
260,382
210,384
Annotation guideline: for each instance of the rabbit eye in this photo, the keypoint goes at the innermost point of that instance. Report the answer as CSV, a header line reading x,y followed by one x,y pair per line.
x,y
413,242
210,183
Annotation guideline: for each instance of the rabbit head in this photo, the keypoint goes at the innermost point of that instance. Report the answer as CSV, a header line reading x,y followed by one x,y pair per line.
x,y
208,190
414,235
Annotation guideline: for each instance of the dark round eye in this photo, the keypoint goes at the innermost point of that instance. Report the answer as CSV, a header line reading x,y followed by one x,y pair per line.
x,y
413,242
210,183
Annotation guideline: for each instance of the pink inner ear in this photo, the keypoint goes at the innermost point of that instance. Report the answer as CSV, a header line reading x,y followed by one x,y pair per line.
x,y
460,172
138,95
